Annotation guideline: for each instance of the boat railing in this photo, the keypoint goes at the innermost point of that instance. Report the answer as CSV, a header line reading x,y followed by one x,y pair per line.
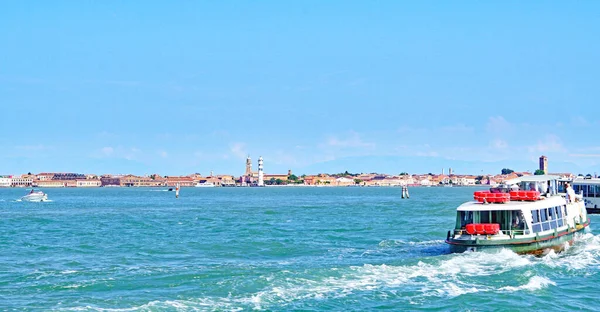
x,y
511,233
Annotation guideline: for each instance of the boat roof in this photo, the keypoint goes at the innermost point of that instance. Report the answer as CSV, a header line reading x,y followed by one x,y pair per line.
x,y
514,205
586,181
533,178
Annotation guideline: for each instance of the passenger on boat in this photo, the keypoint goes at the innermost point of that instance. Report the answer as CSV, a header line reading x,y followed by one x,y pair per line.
x,y
514,187
517,221
532,186
570,193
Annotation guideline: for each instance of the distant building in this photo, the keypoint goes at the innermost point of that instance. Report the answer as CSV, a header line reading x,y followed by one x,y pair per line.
x,y
544,164
22,181
182,181
44,176
89,183
135,181
68,176
110,181
57,183
5,181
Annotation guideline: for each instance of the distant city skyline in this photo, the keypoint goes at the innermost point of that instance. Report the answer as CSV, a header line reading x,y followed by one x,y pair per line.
x,y
138,87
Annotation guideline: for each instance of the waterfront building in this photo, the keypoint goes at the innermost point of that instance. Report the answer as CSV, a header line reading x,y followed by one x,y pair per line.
x,y
44,176
88,183
56,183
425,182
108,180
22,181
246,180
5,181
226,180
217,181
68,176
321,179
182,181
344,181
282,177
135,181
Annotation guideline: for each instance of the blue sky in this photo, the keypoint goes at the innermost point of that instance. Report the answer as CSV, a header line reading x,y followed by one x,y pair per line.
x,y
313,86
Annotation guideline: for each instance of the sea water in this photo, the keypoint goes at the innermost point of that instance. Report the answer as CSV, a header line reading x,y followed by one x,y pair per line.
x,y
272,248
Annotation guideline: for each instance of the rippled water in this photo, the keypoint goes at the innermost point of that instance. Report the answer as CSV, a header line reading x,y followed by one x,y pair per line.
x,y
270,249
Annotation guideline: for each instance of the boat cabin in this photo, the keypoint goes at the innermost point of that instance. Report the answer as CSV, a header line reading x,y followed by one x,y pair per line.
x,y
521,206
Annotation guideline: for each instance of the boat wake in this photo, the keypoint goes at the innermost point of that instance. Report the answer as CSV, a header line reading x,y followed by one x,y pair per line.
x,y
416,248
414,283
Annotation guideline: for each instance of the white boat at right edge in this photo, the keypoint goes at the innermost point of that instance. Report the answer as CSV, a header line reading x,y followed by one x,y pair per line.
x,y
590,191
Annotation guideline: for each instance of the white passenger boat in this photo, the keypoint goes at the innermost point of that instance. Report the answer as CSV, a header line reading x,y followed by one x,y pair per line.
x,y
590,191
205,184
35,196
529,219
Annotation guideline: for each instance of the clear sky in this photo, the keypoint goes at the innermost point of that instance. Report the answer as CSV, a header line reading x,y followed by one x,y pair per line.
x,y
314,86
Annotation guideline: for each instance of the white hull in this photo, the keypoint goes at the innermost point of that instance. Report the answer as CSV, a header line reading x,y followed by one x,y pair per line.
x,y
35,197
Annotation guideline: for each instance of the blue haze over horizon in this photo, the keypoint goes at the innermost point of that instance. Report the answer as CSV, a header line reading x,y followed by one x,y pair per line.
x,y
148,87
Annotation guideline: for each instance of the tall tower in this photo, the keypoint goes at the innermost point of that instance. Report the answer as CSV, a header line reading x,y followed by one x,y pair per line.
x,y
261,181
449,171
248,166
544,164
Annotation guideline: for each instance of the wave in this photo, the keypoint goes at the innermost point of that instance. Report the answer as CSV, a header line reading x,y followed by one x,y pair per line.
x,y
399,242
443,277
535,283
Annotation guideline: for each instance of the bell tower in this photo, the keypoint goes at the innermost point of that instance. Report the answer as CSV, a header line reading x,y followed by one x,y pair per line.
x,y
248,166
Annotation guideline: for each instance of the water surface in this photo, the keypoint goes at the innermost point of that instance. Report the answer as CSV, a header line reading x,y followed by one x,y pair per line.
x,y
274,248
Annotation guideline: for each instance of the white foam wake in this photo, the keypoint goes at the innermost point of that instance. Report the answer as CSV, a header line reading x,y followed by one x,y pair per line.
x,y
535,283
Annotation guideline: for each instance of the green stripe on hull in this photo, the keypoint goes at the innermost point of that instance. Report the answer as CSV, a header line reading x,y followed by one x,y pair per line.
x,y
524,245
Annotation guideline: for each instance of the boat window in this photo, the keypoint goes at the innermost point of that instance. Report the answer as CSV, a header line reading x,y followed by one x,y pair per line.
x,y
484,217
558,211
518,223
535,216
536,226
544,215
561,187
544,219
596,190
553,218
466,217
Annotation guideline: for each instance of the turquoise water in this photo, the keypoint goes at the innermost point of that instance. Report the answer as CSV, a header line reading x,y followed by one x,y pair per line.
x,y
128,249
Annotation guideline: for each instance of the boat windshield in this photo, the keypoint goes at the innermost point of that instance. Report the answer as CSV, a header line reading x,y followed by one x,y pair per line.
x,y
544,187
509,220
